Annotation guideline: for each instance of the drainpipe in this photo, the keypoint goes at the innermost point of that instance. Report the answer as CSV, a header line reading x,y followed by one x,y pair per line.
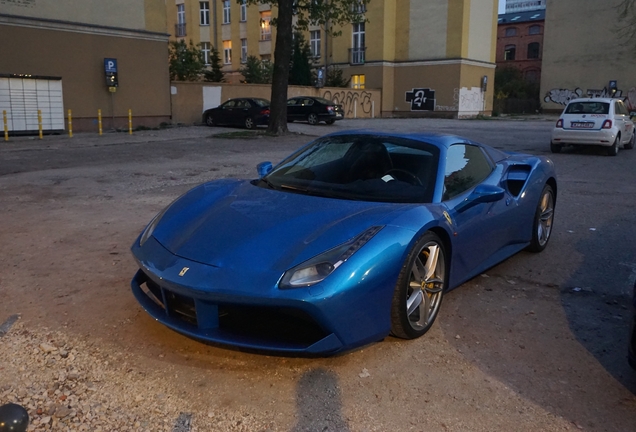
x,y
216,46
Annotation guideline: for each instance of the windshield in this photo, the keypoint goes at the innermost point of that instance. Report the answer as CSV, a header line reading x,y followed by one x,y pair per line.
x,y
587,108
360,167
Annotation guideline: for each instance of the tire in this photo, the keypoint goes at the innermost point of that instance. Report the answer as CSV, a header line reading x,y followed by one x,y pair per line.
x,y
330,121
248,123
613,149
312,119
209,120
630,144
543,220
555,148
420,287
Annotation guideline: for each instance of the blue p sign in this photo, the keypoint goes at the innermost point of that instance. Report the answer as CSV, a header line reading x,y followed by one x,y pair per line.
x,y
110,65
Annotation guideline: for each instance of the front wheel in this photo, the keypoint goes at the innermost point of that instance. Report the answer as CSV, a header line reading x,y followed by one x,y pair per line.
x,y
543,218
312,119
419,289
249,123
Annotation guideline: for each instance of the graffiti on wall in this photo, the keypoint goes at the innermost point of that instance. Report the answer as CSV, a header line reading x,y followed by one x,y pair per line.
x,y
421,99
470,101
563,96
351,101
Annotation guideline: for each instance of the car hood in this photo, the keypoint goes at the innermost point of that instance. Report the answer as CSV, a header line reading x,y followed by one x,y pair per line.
x,y
234,223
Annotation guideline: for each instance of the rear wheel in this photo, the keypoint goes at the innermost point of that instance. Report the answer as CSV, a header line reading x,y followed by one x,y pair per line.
x,y
630,144
543,218
249,123
613,149
209,120
330,121
312,119
555,148
419,289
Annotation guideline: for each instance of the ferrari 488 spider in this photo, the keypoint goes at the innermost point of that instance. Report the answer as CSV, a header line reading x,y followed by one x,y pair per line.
x,y
353,237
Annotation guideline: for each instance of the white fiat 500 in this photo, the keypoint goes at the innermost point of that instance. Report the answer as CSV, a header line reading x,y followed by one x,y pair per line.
x,y
598,121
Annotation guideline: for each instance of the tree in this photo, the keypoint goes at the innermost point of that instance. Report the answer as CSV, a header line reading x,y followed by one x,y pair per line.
x,y
627,16
326,13
256,71
215,74
335,79
300,69
186,61
510,84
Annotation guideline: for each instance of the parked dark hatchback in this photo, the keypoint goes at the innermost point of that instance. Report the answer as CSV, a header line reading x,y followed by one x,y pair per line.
x,y
313,110
246,112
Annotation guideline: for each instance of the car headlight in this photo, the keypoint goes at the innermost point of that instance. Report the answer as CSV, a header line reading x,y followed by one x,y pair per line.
x,y
319,267
151,226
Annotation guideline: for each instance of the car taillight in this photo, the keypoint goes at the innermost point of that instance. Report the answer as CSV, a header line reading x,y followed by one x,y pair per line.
x,y
559,123
330,108
265,112
607,124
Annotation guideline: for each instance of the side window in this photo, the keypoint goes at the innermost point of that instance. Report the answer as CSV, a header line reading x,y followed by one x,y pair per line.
x,y
229,104
292,102
466,166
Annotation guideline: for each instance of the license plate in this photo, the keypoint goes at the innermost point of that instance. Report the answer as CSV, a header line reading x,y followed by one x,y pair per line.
x,y
582,125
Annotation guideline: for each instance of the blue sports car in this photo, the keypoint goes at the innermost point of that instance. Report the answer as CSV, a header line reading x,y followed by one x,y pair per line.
x,y
356,236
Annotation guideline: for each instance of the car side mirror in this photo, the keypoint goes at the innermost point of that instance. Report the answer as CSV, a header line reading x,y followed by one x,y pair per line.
x,y
263,168
481,194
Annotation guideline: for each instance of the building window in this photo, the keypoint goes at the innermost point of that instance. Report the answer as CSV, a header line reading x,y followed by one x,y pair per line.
x,y
227,52
266,28
180,26
243,11
226,11
358,44
509,52
359,7
511,31
204,13
205,50
534,29
314,43
357,81
243,50
533,50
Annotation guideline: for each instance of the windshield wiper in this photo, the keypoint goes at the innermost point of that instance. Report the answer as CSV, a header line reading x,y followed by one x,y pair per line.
x,y
268,183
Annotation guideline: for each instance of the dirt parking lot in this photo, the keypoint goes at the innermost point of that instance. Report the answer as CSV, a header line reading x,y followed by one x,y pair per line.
x,y
537,343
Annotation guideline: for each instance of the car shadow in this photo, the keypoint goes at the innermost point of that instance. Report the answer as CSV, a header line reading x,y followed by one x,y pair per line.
x,y
318,401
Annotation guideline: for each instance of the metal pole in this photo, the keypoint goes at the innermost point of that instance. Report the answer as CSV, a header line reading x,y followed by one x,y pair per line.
x,y
6,126
70,124
112,111
99,121
40,123
130,122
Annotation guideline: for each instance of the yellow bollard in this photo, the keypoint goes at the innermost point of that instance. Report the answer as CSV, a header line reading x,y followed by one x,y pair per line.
x,y
6,125
70,124
40,122
99,121
130,122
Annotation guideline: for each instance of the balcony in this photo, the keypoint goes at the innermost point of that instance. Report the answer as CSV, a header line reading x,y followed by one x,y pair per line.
x,y
180,30
356,55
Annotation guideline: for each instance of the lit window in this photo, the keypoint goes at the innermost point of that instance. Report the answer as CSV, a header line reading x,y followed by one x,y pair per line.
x,y
205,50
204,13
357,81
227,52
509,52
314,43
226,11
244,11
243,50
266,28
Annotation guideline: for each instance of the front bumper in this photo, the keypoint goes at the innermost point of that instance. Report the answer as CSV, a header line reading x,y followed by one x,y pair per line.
x,y
602,137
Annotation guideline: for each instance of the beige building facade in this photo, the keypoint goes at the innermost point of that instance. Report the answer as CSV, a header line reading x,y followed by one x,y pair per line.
x,y
432,58
585,55
53,60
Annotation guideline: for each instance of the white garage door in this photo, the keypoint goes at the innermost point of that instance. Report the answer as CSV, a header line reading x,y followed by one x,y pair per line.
x,y
21,98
